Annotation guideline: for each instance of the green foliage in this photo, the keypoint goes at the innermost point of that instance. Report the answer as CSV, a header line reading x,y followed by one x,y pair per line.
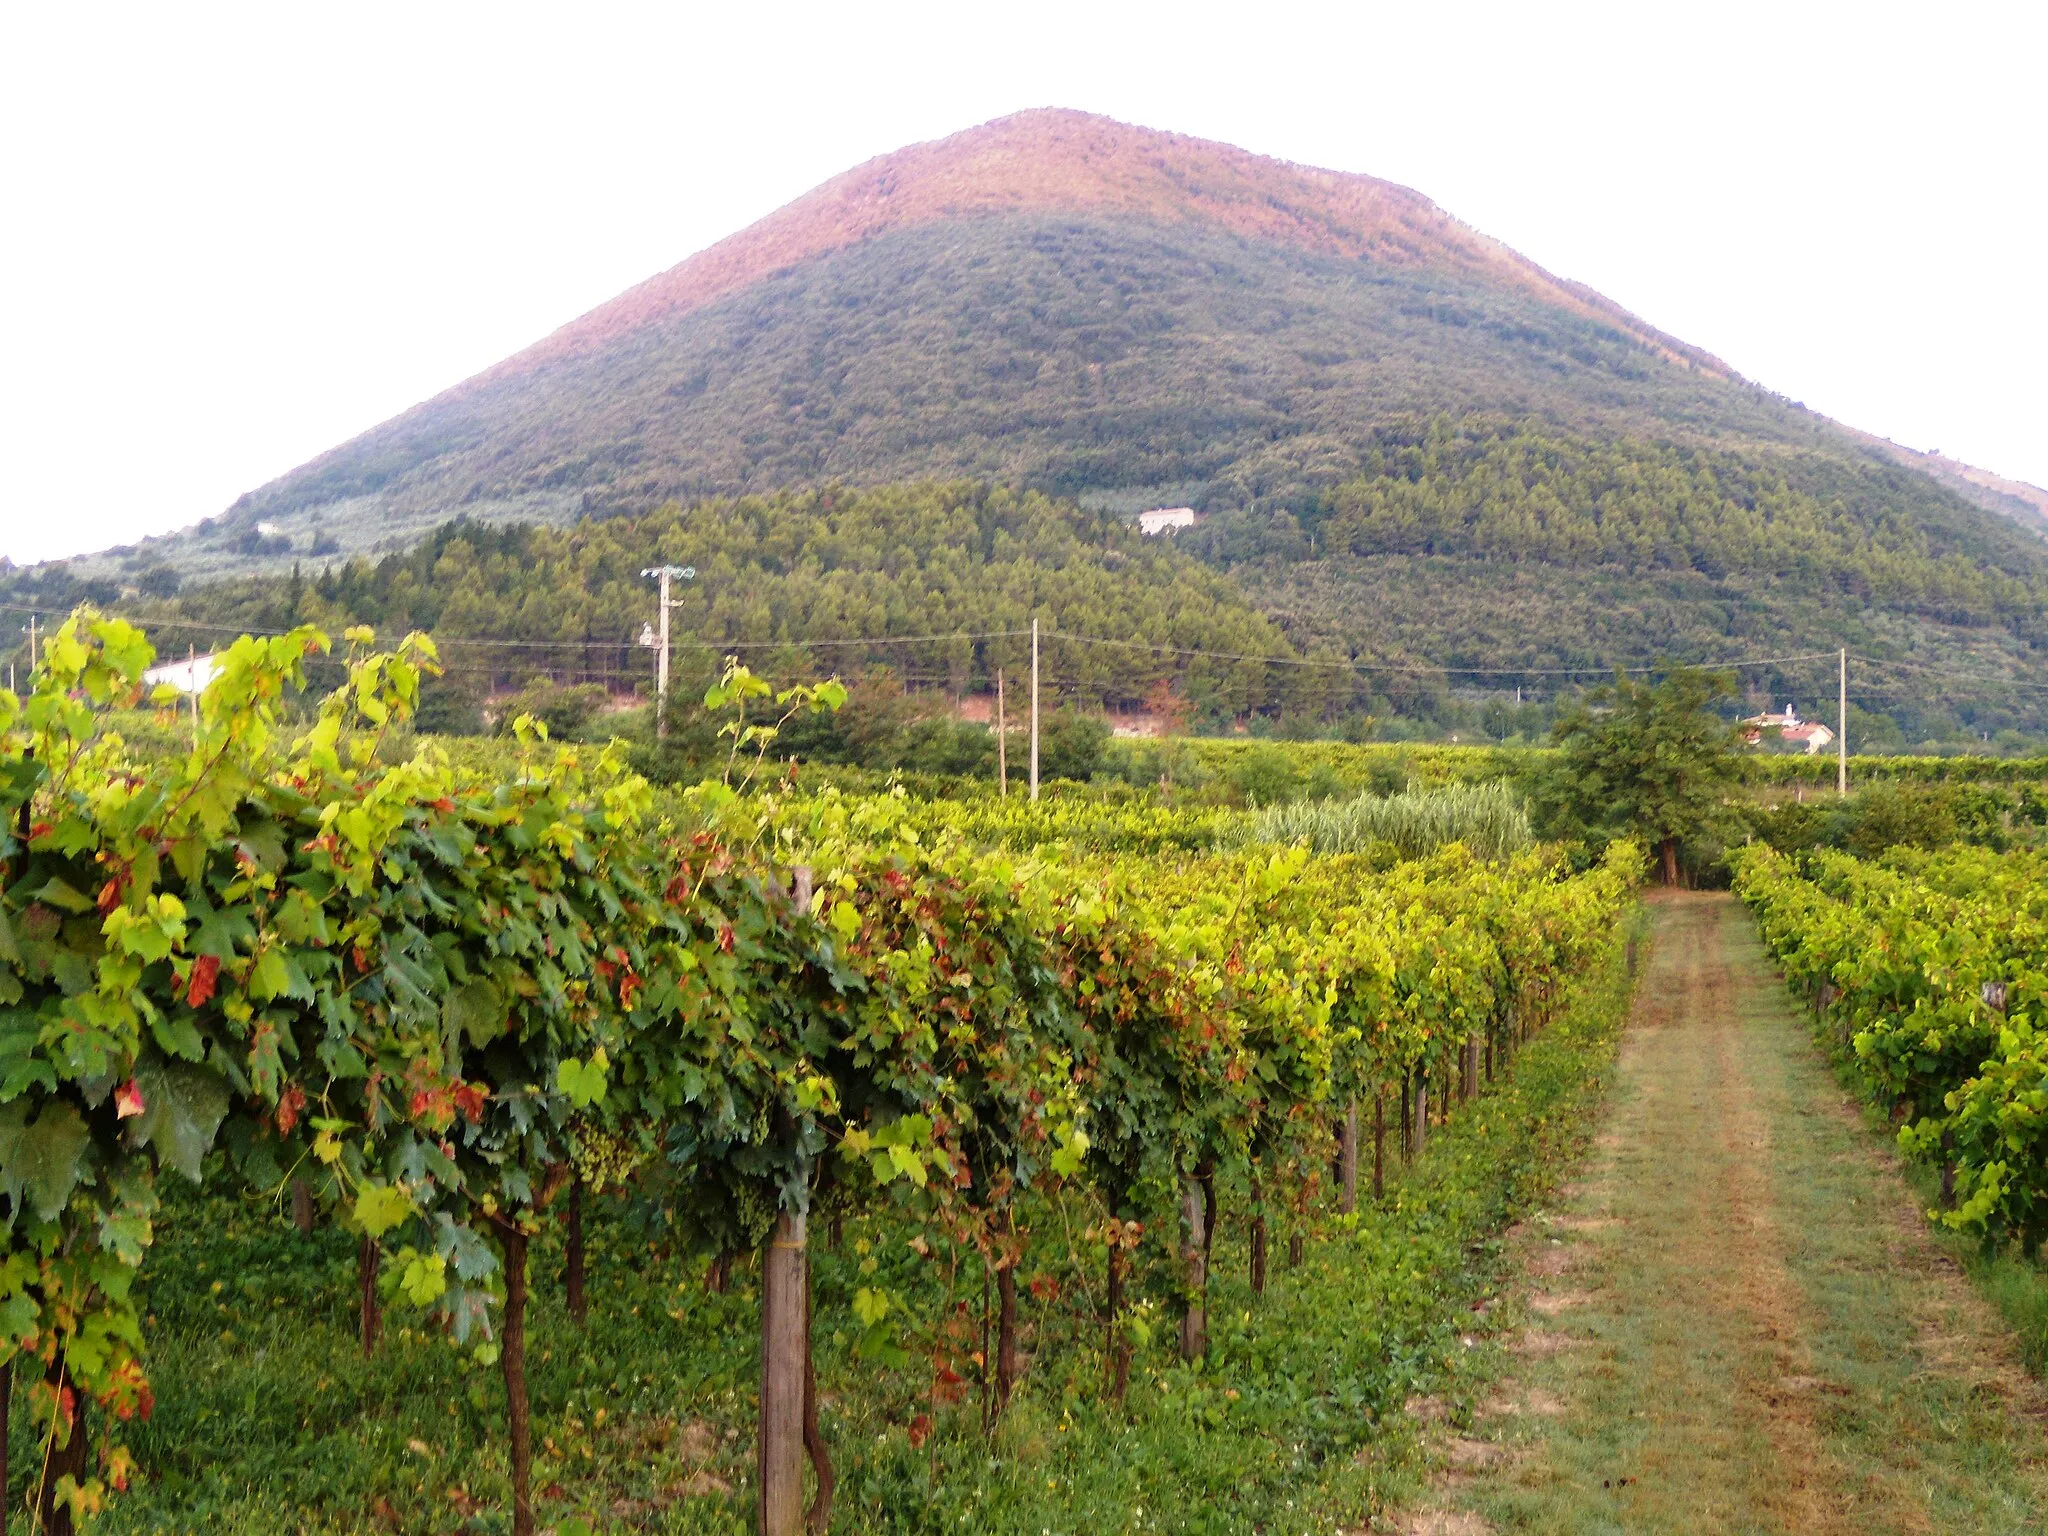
x,y
1643,760
1078,352
565,711
1489,819
272,1418
1265,776
781,575
1930,968
1071,745
435,995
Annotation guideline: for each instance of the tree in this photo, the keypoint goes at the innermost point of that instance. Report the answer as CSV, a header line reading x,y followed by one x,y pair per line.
x,y
1641,759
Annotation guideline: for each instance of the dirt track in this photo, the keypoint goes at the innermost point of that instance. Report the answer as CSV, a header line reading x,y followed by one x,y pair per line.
x,y
1737,1320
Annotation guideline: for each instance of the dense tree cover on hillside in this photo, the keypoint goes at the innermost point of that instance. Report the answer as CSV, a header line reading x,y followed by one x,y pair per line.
x,y
780,575
1072,354
1486,543
1512,492
1399,465
1479,545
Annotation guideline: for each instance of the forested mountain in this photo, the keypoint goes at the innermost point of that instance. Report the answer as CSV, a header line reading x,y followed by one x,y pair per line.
x,y
943,581
1411,445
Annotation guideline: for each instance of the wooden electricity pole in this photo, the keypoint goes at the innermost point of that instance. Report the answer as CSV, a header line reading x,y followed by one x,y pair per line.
x,y
1002,742
1842,734
1034,709
662,574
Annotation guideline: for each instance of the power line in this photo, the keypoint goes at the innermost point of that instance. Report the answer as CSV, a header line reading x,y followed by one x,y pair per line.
x,y
1946,672
596,643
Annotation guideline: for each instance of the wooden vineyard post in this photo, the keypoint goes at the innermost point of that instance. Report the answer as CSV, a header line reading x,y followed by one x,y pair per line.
x,y
1347,1161
1258,1253
1209,1221
372,1317
1420,1114
302,1207
53,1514
1194,1322
819,1516
512,1362
1116,1348
1007,1358
1379,1142
579,1308
785,1286
1469,1088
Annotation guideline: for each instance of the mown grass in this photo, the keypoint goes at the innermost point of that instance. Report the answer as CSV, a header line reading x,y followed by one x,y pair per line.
x,y
1735,1327
269,1418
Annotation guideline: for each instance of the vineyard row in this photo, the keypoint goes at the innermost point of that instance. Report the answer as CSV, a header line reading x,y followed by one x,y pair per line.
x,y
434,1000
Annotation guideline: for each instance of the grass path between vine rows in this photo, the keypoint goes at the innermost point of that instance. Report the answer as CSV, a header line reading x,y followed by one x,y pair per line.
x,y
1737,1321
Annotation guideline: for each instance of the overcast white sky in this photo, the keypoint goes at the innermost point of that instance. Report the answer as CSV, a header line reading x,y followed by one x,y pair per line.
x,y
231,237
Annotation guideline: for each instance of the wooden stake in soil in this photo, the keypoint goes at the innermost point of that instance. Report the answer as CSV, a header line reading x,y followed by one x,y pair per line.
x,y
819,1516
1347,1161
1421,1114
1007,1359
784,1295
1208,1178
1194,1321
1469,1089
302,1207
1379,1143
1258,1255
1294,1250
372,1317
6,1417
579,1308
53,1514
1116,1349
512,1364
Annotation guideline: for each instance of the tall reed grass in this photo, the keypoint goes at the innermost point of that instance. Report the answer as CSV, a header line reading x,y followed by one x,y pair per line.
x,y
1490,819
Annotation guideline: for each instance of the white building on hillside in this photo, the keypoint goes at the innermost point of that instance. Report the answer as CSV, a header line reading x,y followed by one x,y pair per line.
x,y
1809,733
189,676
1166,519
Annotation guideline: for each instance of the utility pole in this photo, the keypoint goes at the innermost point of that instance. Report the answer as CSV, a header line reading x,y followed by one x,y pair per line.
x,y
31,645
1034,708
1002,741
663,574
1842,735
192,682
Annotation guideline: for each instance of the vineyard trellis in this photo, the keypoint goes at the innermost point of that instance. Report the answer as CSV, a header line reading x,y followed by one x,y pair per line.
x,y
1931,970
434,1000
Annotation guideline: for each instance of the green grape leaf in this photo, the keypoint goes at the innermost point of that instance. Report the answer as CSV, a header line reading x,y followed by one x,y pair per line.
x,y
424,1279
42,1159
380,1207
478,1011
182,1107
583,1082
59,894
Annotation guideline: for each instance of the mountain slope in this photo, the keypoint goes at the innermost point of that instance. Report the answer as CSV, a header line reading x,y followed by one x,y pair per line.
x,y
1412,444
1052,299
